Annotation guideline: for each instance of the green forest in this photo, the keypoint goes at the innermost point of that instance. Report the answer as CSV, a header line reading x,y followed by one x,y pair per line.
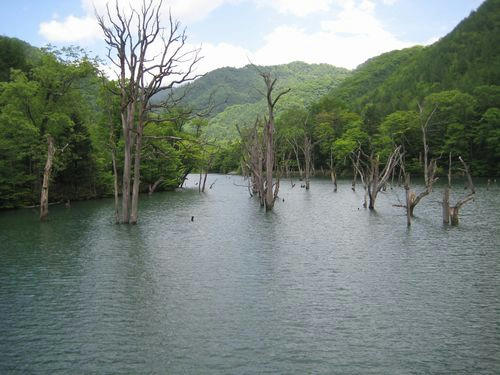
x,y
59,98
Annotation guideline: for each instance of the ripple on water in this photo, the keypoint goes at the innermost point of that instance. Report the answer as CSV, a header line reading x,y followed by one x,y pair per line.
x,y
320,285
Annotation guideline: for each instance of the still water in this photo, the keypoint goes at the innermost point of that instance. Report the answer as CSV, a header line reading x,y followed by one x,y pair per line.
x,y
319,286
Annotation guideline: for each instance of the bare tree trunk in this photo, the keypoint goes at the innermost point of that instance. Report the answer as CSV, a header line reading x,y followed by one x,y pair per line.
x,y
140,77
127,124
454,216
296,152
429,167
115,186
269,141
204,181
333,172
446,205
355,168
372,179
374,182
408,200
44,198
134,212
333,176
112,145
307,160
269,132
454,211
152,188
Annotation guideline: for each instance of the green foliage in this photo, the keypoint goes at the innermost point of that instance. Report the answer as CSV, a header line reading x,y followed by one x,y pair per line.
x,y
15,54
459,74
45,101
237,93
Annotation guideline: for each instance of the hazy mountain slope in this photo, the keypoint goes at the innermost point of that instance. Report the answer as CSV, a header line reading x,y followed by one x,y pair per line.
x,y
237,92
230,86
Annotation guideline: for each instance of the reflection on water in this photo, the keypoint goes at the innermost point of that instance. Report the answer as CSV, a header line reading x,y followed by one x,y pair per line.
x,y
320,285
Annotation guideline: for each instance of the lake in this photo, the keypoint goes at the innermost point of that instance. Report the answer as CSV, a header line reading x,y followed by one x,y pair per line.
x,y
320,285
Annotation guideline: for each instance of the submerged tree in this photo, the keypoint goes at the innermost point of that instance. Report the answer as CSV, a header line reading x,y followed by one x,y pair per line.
x,y
430,167
133,37
271,190
253,159
368,167
450,213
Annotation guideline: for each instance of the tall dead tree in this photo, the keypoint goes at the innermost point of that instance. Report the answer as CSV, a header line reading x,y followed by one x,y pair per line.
x,y
132,37
47,173
295,147
271,189
253,158
430,167
355,168
372,178
44,197
307,150
333,171
450,213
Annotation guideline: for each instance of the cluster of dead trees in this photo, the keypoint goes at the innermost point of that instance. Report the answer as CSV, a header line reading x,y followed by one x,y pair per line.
x,y
375,180
259,163
367,167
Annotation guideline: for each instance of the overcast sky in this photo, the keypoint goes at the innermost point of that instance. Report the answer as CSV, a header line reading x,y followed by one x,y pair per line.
x,y
339,32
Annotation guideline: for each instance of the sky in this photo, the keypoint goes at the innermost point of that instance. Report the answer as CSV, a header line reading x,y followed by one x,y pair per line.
x,y
343,33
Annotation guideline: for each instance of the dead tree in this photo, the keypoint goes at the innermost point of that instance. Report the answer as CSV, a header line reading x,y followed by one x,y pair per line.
x,y
206,169
270,189
112,144
333,172
253,159
429,166
450,213
412,199
295,148
307,150
44,198
131,37
372,178
47,172
152,187
355,167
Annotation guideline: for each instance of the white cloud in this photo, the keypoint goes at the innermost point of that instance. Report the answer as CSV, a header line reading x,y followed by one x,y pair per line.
x,y
349,34
351,37
85,28
299,8
185,10
72,29
389,2
222,54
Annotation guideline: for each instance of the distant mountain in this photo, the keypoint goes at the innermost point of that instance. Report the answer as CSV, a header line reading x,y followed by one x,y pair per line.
x,y
235,91
468,57
15,54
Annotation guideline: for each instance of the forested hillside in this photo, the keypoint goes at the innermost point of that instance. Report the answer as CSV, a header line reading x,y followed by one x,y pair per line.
x,y
386,99
237,93
16,54
466,58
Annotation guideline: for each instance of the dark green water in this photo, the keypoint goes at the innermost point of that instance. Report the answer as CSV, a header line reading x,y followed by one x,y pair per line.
x,y
318,286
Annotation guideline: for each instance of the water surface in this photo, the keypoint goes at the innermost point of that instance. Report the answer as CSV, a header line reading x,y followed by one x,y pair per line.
x,y
320,285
